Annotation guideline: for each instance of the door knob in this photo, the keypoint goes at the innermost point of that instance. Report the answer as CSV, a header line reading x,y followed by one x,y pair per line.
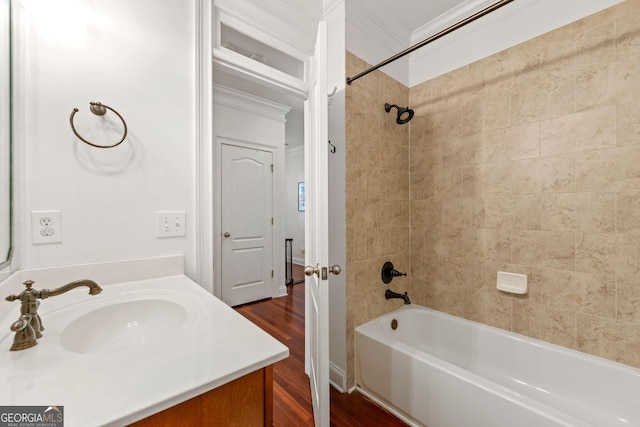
x,y
335,269
310,271
227,234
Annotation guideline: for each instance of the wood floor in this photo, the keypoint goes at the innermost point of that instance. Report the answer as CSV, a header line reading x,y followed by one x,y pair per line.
x,y
283,318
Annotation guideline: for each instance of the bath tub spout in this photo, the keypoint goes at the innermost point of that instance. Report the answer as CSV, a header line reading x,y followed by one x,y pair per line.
x,y
390,294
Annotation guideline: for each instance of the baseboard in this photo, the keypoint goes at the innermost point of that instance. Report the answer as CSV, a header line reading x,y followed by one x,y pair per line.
x,y
337,378
281,292
297,261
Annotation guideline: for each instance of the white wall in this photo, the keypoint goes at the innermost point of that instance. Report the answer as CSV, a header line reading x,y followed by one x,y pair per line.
x,y
294,220
138,58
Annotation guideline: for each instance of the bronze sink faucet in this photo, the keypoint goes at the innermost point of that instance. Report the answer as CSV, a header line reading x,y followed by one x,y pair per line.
x,y
28,327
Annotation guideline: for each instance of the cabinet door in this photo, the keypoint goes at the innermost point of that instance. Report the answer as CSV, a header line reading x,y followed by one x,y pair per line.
x,y
244,402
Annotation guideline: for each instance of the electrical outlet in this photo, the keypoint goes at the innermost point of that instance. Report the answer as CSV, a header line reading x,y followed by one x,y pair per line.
x,y
46,227
171,224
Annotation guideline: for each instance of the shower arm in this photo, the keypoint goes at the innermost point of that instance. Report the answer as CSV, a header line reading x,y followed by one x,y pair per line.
x,y
432,38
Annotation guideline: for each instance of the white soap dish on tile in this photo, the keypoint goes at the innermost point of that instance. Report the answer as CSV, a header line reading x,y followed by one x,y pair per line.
x,y
512,282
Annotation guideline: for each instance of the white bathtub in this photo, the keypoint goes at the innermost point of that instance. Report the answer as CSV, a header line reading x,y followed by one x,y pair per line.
x,y
443,371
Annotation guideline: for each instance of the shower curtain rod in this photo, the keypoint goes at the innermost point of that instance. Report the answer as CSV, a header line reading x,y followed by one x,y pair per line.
x,y
434,37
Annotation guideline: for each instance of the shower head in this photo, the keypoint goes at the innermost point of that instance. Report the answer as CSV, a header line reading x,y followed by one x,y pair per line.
x,y
404,113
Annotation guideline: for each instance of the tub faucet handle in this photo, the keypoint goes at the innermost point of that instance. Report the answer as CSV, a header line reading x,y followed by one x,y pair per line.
x,y
389,272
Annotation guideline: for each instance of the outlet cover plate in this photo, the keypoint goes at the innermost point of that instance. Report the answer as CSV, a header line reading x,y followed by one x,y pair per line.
x,y
46,227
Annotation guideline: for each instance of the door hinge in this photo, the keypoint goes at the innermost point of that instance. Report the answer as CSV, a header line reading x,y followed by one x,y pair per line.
x,y
271,168
271,220
271,273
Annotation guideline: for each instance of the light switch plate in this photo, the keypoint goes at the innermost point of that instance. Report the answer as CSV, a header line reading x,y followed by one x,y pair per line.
x,y
171,224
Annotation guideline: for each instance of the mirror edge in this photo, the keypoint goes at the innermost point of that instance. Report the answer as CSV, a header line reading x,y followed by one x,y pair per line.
x,y
5,266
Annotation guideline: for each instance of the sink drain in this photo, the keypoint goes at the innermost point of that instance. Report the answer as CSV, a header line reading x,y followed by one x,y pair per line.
x,y
394,324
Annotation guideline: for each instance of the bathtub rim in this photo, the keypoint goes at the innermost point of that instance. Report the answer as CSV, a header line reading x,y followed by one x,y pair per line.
x,y
471,378
372,330
370,326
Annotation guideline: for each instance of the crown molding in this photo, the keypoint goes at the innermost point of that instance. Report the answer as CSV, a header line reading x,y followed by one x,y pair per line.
x,y
485,24
329,5
391,27
242,101
451,17
380,32
372,41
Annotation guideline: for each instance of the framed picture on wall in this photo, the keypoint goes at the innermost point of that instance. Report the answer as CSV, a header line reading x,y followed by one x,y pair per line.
x,y
301,197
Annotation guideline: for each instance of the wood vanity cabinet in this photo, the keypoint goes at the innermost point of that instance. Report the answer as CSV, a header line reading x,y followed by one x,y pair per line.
x,y
246,401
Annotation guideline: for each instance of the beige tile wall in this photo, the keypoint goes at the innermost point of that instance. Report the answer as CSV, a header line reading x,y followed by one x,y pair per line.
x,y
377,207
527,161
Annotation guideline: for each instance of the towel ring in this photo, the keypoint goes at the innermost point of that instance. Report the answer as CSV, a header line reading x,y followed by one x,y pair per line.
x,y
99,109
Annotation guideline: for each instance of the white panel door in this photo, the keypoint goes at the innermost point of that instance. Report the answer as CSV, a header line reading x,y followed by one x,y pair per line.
x,y
317,232
247,229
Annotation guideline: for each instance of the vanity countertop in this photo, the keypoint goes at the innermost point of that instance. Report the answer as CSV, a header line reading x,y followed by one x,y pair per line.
x,y
100,385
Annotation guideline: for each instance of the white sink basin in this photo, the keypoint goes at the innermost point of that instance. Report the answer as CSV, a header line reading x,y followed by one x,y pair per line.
x,y
135,349
123,326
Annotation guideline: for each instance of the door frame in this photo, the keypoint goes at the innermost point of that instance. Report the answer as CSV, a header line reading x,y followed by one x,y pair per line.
x,y
203,269
207,159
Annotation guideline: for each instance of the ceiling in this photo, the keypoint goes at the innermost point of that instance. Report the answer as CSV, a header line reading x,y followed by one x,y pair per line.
x,y
403,19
